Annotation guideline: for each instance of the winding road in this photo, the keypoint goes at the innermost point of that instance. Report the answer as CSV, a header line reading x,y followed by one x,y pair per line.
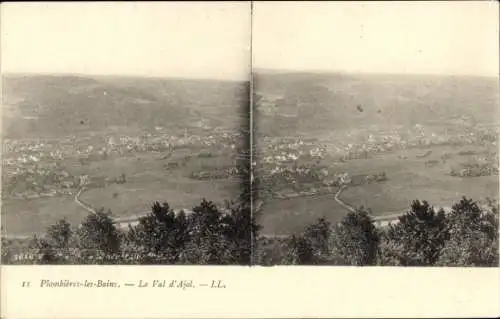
x,y
124,222
385,218
341,202
80,203
380,221
121,222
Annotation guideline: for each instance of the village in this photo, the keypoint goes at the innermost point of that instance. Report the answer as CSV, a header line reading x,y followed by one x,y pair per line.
x,y
295,165
43,167
36,168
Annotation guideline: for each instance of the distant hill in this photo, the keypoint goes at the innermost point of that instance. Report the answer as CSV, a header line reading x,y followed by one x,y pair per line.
x,y
287,103
46,105
299,101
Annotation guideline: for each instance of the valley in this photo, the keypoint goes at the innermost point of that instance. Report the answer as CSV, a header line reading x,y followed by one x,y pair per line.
x,y
167,146
318,132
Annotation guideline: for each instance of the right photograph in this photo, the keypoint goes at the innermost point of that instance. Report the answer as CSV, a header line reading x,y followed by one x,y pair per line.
x,y
376,133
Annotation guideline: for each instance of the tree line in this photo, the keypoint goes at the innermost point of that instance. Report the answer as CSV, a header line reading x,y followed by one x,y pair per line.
x,y
212,235
207,235
467,236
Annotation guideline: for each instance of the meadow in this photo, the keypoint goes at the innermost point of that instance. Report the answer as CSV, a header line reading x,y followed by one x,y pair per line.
x,y
417,130
134,141
139,140
412,178
407,179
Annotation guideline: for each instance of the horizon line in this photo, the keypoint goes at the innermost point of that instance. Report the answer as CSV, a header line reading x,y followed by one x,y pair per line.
x,y
346,72
124,75
255,70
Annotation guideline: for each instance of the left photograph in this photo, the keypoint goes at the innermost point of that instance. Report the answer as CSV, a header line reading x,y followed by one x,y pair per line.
x,y
125,133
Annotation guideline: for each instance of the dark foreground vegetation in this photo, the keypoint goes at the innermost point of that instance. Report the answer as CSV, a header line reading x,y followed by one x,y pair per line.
x,y
467,236
209,235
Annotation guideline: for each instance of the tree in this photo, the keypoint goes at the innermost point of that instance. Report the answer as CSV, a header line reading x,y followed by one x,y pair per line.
x,y
271,251
317,236
311,247
6,250
417,239
355,240
54,248
98,238
161,236
473,236
40,251
299,251
208,235
242,231
209,242
59,234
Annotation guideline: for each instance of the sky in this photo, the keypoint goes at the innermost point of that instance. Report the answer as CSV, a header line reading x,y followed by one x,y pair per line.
x,y
458,37
200,40
212,39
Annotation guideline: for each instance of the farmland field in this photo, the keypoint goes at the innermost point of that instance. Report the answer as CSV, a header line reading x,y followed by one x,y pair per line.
x,y
412,179
407,180
124,142
390,139
133,141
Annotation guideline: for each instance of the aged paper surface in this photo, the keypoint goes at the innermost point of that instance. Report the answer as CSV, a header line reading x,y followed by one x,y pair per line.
x,y
258,292
292,110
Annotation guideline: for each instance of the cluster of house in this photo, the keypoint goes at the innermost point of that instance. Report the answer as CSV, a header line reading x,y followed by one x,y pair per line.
x,y
28,152
278,152
16,153
11,146
216,173
476,170
165,142
35,182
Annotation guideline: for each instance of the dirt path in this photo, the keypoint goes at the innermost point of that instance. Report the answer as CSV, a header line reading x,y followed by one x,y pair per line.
x,y
384,219
80,203
341,202
124,222
380,221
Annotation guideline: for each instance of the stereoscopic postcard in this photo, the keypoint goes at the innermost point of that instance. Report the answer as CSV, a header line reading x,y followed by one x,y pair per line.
x,y
249,159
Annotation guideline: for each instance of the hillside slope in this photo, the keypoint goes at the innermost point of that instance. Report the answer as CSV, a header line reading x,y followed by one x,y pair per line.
x,y
43,105
309,102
